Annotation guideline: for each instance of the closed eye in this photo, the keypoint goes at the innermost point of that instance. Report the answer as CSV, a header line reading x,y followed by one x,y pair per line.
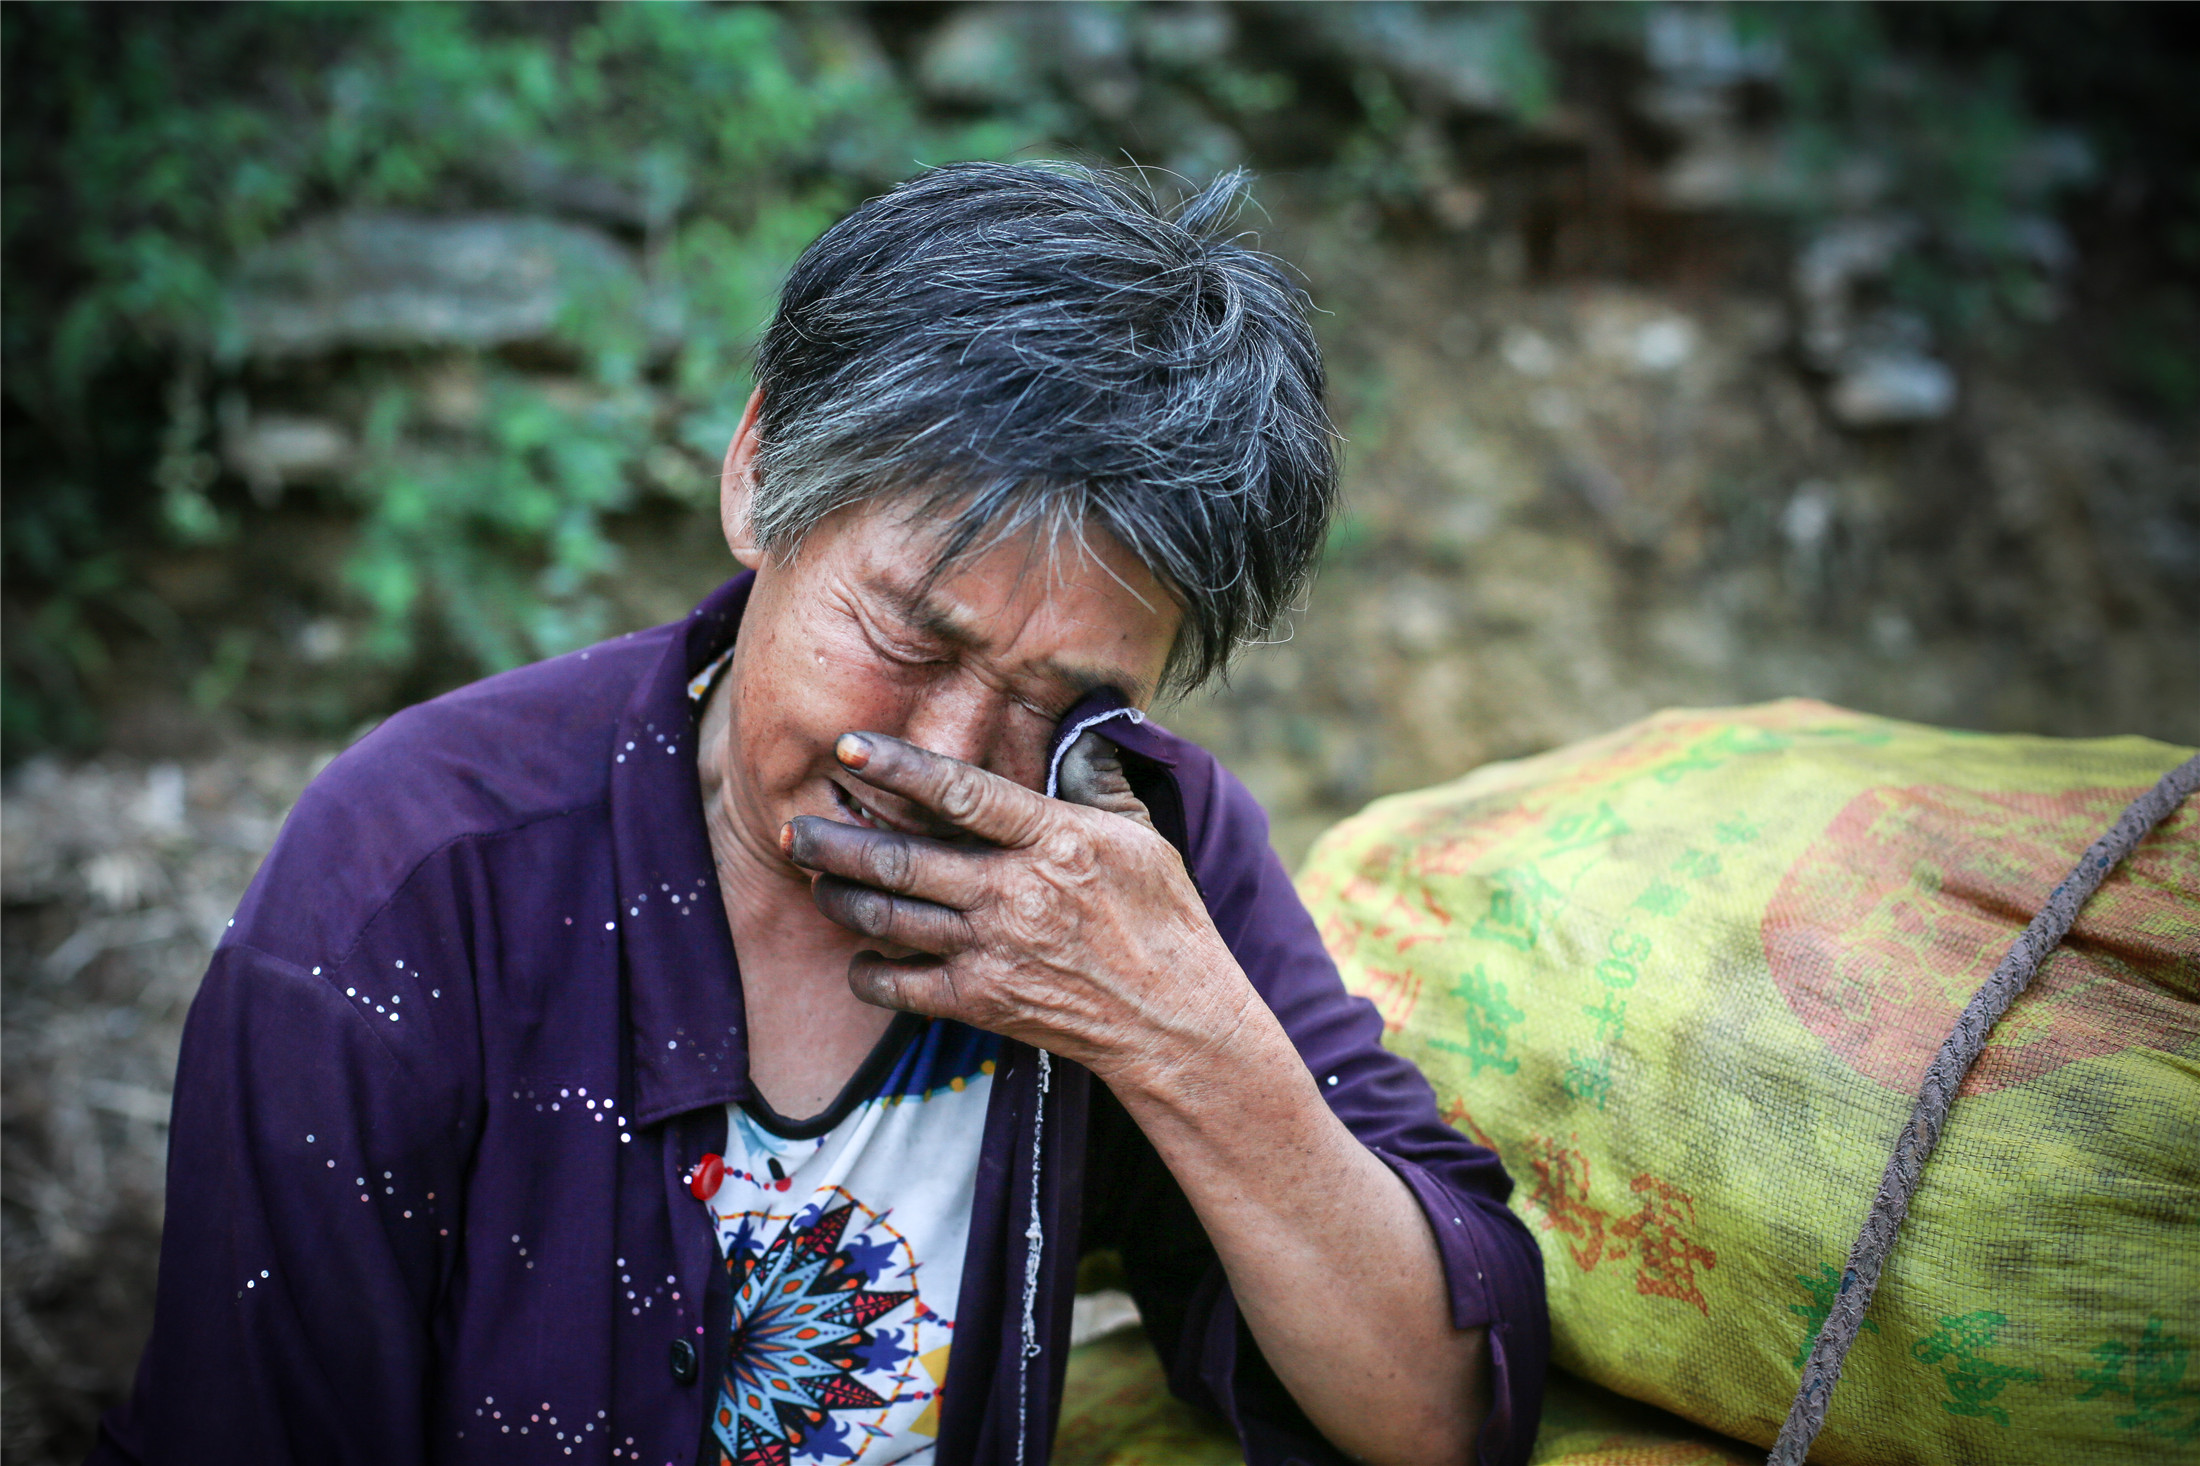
x,y
909,655
1048,711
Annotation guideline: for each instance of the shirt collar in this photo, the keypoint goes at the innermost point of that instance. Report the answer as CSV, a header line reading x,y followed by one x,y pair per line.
x,y
683,989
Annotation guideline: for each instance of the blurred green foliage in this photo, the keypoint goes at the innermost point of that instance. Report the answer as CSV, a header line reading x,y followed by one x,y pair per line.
x,y
1952,143
149,151
145,158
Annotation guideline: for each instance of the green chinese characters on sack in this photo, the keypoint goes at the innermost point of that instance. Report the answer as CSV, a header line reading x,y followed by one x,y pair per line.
x,y
1974,1381
1814,1313
1486,1015
2151,1377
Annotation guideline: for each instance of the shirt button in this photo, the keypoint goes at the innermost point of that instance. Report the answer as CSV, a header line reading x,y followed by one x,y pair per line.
x,y
683,1362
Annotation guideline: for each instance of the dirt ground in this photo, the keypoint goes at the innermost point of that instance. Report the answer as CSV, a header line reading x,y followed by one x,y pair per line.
x,y
1570,505
118,876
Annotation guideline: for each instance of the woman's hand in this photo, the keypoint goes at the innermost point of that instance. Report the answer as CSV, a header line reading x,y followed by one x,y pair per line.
x,y
1077,929
1073,929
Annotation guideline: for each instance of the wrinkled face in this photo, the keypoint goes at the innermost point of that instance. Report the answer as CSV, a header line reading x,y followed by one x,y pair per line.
x,y
845,635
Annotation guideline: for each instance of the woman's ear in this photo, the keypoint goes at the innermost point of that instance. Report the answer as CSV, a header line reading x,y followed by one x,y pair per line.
x,y
737,487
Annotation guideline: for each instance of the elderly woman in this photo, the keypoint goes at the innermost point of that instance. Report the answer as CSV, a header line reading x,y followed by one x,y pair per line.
x,y
721,1043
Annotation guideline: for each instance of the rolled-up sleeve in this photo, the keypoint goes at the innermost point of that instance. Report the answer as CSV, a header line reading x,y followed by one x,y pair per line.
x,y
1492,1264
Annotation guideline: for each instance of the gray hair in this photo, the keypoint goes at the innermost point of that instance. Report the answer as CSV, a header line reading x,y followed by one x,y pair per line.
x,y
1022,346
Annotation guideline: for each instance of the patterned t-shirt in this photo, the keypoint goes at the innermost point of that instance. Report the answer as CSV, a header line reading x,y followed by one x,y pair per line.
x,y
844,1236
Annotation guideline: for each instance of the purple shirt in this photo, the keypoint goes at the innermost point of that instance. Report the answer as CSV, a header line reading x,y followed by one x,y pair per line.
x,y
478,1017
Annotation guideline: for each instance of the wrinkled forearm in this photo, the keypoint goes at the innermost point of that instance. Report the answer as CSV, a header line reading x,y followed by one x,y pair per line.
x,y
1329,1256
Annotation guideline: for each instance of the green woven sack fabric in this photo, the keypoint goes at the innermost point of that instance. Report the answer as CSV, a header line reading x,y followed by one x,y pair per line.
x,y
1117,1411
1686,978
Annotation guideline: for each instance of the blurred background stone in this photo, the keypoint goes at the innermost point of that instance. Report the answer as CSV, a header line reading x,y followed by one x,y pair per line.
x,y
1892,389
385,280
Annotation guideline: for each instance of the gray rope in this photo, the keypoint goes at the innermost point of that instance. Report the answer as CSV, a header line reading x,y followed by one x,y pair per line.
x,y
1823,1369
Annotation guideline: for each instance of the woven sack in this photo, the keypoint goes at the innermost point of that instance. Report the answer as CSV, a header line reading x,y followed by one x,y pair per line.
x,y
1117,1411
1686,978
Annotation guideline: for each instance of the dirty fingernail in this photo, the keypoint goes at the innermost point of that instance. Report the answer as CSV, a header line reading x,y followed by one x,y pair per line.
x,y
853,749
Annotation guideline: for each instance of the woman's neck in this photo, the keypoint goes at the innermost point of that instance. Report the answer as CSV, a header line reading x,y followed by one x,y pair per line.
x,y
807,1033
